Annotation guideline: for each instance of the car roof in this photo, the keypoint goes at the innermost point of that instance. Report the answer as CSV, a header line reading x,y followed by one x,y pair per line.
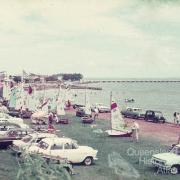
x,y
133,108
57,140
155,111
178,145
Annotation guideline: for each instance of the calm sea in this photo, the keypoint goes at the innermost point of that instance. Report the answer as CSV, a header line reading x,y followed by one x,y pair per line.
x,y
164,96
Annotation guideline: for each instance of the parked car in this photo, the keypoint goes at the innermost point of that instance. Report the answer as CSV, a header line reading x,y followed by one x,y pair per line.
x,y
101,108
154,116
136,113
75,106
170,161
81,112
14,134
30,139
65,148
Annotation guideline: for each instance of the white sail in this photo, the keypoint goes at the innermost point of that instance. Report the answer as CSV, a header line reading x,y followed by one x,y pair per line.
x,y
12,101
19,97
6,90
45,108
61,103
87,105
117,121
60,107
118,125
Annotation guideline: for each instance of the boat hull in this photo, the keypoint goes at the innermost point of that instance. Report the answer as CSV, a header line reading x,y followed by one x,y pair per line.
x,y
114,133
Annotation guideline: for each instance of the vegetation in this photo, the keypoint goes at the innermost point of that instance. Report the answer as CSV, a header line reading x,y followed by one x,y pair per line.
x,y
72,77
111,151
65,77
36,167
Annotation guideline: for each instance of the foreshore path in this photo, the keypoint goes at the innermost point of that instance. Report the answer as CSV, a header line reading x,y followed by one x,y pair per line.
x,y
166,133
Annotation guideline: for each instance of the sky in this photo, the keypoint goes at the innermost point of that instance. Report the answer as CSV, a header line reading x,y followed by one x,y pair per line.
x,y
98,38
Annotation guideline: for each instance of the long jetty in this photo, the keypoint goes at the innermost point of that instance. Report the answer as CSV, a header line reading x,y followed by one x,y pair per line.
x,y
131,81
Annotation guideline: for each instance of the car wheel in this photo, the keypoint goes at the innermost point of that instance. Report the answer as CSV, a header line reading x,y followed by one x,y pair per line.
x,y
88,161
174,170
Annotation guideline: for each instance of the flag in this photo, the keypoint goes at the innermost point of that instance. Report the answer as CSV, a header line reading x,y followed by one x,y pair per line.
x,y
113,105
30,90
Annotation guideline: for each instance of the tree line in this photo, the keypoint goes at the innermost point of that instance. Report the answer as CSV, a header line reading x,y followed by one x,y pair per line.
x,y
54,77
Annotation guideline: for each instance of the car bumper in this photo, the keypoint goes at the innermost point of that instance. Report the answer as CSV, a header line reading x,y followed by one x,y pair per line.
x,y
162,166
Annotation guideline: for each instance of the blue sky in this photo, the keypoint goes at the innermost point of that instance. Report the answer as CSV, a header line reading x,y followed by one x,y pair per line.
x,y
98,38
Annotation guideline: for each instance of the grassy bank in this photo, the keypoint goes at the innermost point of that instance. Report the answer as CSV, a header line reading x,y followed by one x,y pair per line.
x,y
118,158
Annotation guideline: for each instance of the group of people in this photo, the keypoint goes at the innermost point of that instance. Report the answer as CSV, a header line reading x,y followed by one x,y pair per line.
x,y
176,118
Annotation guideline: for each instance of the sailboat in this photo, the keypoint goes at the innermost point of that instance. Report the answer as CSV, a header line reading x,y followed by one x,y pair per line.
x,y
118,125
60,107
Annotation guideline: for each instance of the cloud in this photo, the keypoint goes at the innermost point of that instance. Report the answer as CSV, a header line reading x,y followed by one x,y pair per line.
x,y
97,38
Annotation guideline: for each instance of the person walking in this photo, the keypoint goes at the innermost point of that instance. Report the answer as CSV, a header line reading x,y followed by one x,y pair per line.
x,y
135,131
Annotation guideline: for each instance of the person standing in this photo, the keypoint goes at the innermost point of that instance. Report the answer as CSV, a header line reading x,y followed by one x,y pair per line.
x,y
96,113
135,131
50,118
56,119
175,117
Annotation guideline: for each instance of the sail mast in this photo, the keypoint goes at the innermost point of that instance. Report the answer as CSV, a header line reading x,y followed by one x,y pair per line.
x,y
110,109
85,97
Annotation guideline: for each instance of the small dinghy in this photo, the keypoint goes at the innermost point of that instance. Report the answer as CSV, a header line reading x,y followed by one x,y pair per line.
x,y
115,133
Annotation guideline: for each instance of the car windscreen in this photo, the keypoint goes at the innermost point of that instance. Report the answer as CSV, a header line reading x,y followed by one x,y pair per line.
x,y
43,145
159,114
175,150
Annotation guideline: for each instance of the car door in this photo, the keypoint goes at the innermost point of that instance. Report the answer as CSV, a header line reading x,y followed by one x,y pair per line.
x,y
72,153
57,150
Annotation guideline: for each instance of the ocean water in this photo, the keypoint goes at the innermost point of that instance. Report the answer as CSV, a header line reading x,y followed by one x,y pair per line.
x,y
162,96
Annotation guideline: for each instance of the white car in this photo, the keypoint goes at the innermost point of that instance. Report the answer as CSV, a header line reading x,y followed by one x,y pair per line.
x,y
65,148
101,108
169,161
29,140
